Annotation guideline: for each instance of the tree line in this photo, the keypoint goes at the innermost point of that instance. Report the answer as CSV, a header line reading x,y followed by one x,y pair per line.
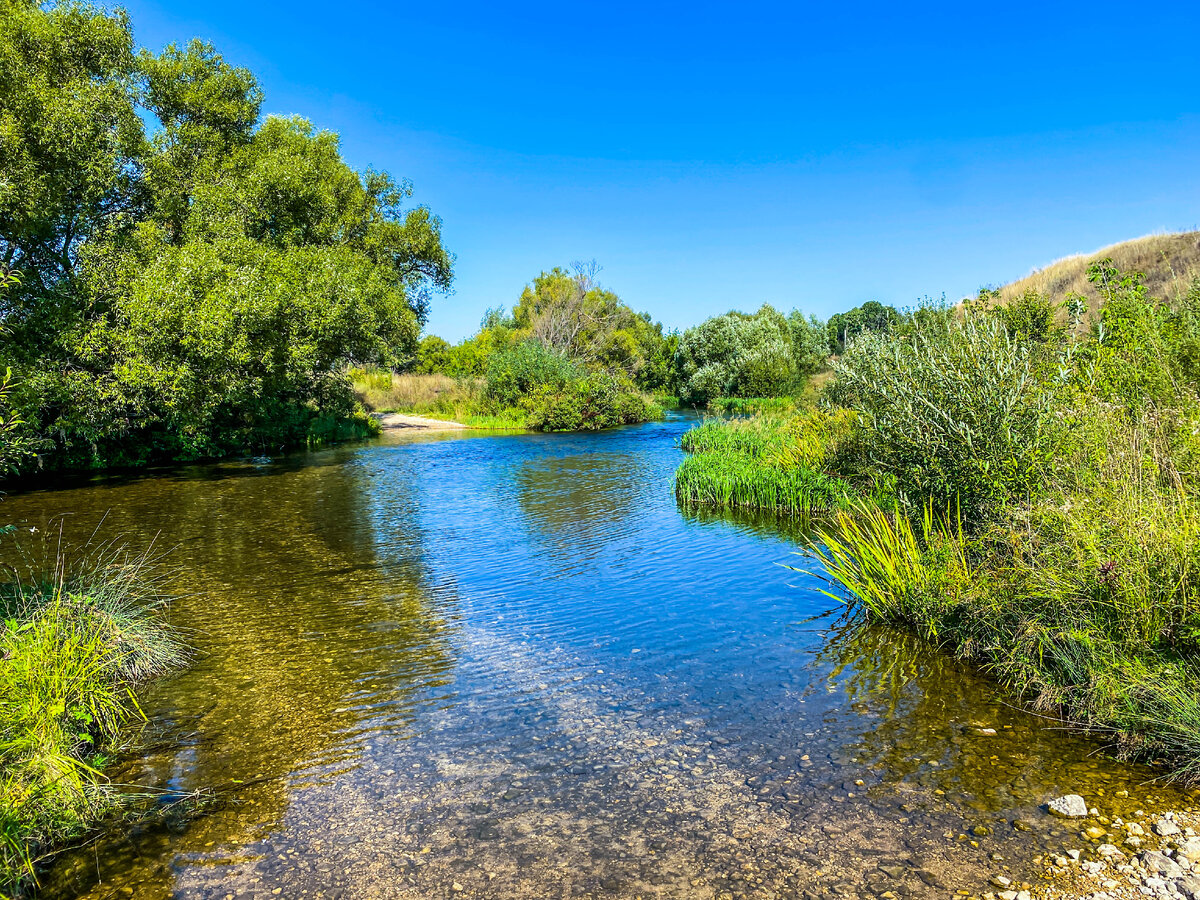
x,y
182,277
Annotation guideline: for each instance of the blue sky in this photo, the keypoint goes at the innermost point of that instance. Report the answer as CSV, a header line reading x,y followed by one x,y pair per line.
x,y
712,157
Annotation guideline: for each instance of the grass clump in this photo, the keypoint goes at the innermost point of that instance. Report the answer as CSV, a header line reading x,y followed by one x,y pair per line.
x,y
733,480
73,651
763,462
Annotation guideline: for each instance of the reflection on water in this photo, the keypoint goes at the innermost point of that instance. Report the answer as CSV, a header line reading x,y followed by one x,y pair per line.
x,y
511,667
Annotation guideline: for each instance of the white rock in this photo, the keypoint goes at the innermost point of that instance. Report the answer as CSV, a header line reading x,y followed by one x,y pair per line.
x,y
1164,827
1072,806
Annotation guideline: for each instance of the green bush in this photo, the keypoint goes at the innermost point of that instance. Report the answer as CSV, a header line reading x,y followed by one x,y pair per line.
x,y
952,408
589,404
737,355
527,367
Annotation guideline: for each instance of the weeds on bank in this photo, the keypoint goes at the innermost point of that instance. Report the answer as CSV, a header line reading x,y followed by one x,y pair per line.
x,y
75,646
527,387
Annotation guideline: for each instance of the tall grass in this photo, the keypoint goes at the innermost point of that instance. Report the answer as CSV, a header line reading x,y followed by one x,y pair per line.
x,y
891,568
437,396
753,437
75,647
751,405
736,480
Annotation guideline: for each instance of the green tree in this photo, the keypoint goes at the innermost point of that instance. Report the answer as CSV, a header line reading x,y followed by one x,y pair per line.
x,y
198,293
871,316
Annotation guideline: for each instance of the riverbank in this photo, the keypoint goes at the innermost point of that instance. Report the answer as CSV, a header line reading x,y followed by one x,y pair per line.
x,y
1155,855
402,421
76,651
1015,484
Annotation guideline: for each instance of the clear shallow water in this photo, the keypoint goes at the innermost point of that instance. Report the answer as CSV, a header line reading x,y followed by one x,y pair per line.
x,y
511,666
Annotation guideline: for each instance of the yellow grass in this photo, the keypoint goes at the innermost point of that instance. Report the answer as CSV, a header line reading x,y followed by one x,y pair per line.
x,y
382,391
1169,261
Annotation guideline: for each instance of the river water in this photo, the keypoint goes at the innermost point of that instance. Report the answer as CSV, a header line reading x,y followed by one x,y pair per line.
x,y
511,666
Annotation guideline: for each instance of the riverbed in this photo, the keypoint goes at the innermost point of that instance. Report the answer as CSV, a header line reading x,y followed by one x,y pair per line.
x,y
463,665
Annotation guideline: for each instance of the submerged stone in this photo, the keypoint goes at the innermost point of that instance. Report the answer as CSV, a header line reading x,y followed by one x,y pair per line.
x,y
1071,806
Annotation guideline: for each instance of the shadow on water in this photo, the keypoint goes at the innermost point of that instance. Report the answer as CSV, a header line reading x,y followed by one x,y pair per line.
x,y
514,665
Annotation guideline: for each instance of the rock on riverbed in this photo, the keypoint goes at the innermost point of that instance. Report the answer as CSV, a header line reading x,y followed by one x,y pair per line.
x,y
1072,806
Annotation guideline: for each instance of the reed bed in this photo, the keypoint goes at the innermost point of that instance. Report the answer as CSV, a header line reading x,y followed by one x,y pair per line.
x,y
740,481
753,437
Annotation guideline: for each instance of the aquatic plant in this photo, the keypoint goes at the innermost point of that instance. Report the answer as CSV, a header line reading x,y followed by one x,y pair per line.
x,y
891,568
738,480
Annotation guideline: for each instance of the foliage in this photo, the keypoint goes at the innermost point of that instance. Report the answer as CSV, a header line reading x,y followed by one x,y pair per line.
x,y
1077,581
763,462
871,316
571,314
953,409
75,649
195,294
894,570
810,343
737,355
526,368
591,403
733,480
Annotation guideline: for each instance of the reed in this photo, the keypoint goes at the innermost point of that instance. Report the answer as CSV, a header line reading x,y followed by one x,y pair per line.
x,y
741,481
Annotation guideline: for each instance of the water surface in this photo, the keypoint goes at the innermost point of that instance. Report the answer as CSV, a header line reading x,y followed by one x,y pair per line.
x,y
510,666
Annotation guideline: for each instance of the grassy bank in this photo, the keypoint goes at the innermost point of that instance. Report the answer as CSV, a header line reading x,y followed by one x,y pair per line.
x,y
1023,489
764,462
75,649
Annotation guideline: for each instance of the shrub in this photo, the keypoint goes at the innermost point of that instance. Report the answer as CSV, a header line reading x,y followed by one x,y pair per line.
x,y
736,355
951,408
519,371
589,404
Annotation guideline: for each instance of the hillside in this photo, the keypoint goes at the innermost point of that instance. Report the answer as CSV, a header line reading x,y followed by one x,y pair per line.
x,y
1169,261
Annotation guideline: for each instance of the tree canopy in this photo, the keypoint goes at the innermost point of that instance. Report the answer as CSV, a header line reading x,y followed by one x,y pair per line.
x,y
196,290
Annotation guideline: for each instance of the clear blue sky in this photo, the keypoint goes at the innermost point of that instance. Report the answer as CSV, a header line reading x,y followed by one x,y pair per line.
x,y
720,156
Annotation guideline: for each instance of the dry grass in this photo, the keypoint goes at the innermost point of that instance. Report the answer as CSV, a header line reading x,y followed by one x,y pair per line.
x,y
1169,261
383,391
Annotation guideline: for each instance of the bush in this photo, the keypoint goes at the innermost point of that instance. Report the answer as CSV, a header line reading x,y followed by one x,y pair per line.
x,y
952,409
589,404
525,368
737,355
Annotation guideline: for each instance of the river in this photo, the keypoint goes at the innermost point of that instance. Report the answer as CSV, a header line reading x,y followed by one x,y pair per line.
x,y
510,666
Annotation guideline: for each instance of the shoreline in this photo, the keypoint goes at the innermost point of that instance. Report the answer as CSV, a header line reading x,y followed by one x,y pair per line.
x,y
395,421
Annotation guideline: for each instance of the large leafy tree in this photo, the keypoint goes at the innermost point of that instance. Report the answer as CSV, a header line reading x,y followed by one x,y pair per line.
x,y
571,313
198,291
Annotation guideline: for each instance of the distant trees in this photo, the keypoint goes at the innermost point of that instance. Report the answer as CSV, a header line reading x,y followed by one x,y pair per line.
x,y
870,316
195,292
567,312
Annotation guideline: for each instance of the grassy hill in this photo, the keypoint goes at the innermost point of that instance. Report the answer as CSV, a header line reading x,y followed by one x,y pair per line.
x,y
1170,262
